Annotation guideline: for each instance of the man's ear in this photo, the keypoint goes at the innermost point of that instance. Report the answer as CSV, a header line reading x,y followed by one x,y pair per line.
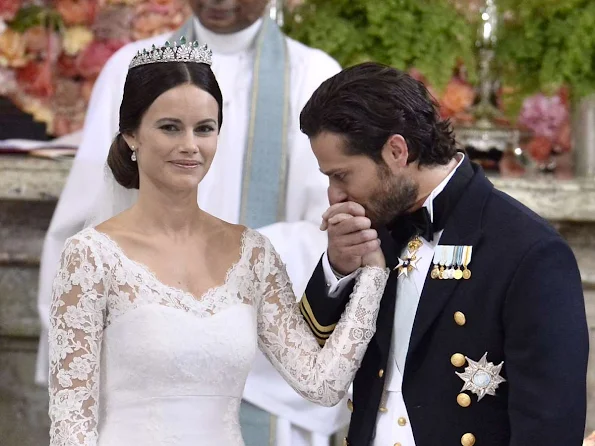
x,y
395,153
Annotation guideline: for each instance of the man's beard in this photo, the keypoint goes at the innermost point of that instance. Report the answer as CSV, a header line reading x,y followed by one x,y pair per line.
x,y
392,198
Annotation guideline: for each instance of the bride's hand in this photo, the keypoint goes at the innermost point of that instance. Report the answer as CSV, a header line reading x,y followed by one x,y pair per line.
x,y
375,258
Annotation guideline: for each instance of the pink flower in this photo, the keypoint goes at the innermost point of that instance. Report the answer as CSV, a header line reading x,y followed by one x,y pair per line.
x,y
77,12
543,115
9,8
90,61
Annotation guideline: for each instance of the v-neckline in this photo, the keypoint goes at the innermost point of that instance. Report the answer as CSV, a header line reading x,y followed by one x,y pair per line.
x,y
116,246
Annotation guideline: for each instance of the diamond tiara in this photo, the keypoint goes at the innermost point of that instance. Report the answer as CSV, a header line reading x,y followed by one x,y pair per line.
x,y
176,52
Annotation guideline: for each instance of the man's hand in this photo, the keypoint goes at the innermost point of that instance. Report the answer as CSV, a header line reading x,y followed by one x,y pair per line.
x,y
351,241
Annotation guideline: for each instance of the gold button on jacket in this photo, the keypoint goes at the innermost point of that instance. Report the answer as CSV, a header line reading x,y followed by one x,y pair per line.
x,y
468,439
460,318
458,360
463,400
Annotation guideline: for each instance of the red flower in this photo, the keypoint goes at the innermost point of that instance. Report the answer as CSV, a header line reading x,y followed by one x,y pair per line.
x,y
540,148
36,78
77,12
9,8
91,60
66,66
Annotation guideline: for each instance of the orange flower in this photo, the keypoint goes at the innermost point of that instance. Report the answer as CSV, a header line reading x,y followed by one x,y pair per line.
x,y
457,97
77,12
12,49
36,78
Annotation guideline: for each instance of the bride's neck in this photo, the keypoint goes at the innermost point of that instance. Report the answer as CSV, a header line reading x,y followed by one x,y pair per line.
x,y
166,212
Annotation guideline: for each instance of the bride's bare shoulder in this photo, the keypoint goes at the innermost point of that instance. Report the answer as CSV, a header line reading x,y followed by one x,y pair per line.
x,y
118,228
226,232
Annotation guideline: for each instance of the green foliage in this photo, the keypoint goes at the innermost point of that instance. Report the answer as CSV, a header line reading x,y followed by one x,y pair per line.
x,y
547,44
429,35
30,16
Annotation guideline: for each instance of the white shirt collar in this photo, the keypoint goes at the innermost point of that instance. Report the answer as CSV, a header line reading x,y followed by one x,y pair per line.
x,y
429,203
227,43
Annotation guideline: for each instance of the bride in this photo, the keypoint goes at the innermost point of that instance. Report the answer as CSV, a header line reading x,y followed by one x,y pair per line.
x,y
157,312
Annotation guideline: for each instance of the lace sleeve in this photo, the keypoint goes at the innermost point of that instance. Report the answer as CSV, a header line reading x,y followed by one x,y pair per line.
x,y
321,375
75,334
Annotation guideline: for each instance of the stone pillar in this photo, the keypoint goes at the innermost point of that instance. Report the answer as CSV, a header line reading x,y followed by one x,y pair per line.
x,y
28,192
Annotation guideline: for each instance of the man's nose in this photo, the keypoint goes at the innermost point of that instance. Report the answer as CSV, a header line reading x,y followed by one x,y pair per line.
x,y
336,195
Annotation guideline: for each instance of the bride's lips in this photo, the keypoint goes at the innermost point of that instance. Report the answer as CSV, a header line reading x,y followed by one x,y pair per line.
x,y
186,164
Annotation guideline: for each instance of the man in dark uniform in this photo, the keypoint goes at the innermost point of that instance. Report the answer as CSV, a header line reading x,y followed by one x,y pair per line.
x,y
482,336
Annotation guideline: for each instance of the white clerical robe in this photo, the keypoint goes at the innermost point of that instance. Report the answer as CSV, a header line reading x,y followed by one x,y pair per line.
x,y
392,425
298,240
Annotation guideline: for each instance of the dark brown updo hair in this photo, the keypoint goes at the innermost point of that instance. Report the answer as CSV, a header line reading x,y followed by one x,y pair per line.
x,y
143,85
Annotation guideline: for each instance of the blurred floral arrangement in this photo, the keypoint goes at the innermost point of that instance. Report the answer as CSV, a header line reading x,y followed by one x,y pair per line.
x,y
52,51
545,54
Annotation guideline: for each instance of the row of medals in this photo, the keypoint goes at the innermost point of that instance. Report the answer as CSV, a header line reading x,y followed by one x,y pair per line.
x,y
459,258
458,269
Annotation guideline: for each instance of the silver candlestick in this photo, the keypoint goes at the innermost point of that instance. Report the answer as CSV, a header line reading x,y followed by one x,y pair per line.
x,y
486,133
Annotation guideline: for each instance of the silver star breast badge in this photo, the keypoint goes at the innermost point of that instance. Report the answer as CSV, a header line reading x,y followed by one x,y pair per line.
x,y
481,377
408,264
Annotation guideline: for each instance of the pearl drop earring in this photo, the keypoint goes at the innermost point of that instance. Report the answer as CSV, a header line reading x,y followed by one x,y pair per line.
x,y
133,156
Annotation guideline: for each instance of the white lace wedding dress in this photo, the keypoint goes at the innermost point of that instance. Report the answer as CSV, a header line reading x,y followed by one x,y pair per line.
x,y
136,362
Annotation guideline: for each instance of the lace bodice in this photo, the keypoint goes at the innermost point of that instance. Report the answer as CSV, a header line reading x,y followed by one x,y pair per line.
x,y
119,336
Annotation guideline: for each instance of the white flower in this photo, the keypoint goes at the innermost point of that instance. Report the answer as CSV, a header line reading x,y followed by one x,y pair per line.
x,y
75,317
61,343
64,378
76,39
80,368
